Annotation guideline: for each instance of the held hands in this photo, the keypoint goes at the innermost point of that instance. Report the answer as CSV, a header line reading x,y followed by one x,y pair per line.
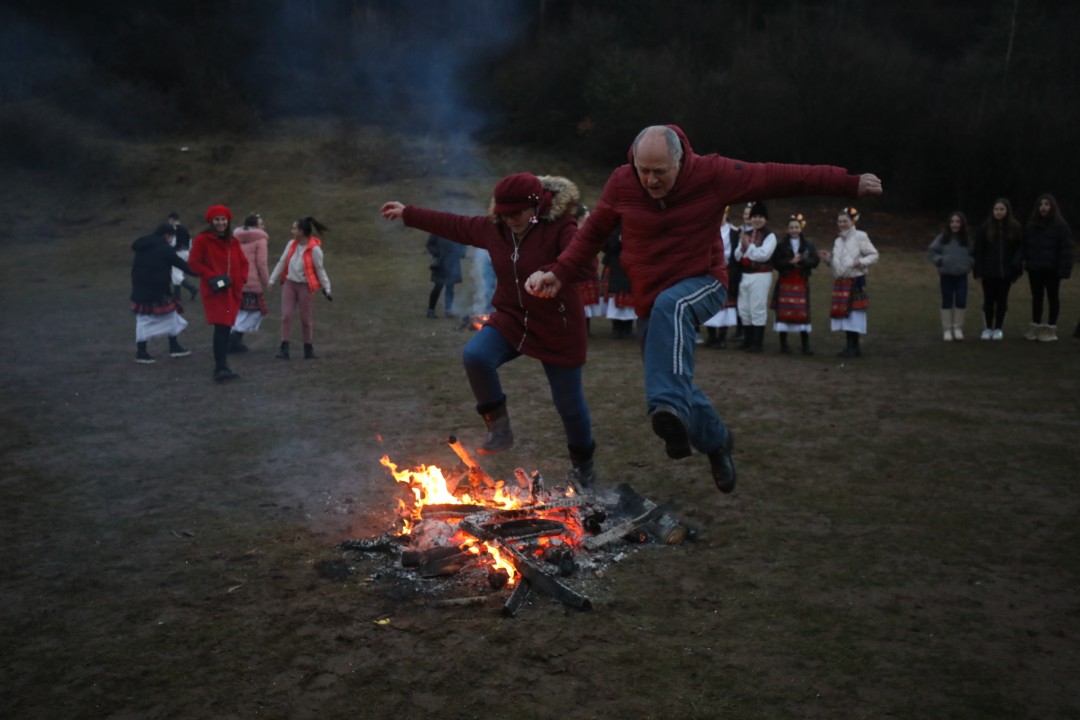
x,y
869,184
825,255
543,284
392,210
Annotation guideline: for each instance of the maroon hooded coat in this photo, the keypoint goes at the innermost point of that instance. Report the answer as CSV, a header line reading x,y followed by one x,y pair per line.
x,y
212,256
678,236
550,330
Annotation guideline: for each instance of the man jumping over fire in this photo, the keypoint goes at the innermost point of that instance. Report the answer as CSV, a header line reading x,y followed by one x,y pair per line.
x,y
670,202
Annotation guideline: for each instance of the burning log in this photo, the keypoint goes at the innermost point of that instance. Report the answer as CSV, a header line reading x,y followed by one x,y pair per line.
x,y
649,516
625,528
528,569
475,471
525,529
442,511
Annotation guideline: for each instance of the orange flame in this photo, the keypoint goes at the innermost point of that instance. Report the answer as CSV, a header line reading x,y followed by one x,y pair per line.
x,y
427,484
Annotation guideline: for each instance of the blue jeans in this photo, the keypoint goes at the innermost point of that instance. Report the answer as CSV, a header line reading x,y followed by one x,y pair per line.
x,y
667,348
954,291
488,350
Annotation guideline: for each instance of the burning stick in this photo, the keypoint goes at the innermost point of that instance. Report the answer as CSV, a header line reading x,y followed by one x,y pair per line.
x,y
475,471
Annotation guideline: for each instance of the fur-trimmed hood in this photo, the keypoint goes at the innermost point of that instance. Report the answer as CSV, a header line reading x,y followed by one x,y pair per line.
x,y
565,198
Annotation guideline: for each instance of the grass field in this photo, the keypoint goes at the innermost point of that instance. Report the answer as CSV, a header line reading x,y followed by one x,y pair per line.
x,y
903,541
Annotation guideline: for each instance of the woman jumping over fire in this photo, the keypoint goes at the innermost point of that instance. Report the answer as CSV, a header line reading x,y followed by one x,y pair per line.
x,y
530,221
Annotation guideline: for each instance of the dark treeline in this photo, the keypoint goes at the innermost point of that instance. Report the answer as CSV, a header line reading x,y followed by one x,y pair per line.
x,y
952,103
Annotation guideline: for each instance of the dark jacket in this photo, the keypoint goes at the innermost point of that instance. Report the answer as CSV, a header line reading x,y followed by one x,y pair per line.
x,y
783,256
950,257
1048,246
151,271
998,257
617,279
446,258
550,330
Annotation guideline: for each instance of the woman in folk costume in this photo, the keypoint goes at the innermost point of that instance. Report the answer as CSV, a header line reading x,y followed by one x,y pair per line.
x,y
254,242
795,258
530,221
157,312
300,272
618,298
851,256
591,289
754,253
716,327
217,259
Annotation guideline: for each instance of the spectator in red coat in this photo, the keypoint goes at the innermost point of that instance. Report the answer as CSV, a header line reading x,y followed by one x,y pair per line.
x,y
670,202
530,221
216,257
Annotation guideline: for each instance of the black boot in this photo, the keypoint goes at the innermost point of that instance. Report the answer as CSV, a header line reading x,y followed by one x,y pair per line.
x,y
582,476
783,343
283,353
721,338
747,338
710,339
805,338
757,334
722,465
141,355
309,352
177,350
500,437
236,342
852,349
739,330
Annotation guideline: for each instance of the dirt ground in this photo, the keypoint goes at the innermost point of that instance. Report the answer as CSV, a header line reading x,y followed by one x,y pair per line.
x,y
903,541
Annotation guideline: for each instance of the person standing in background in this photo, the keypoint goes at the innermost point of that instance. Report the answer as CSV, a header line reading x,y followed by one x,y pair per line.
x,y
1047,252
851,257
254,241
795,259
445,268
717,326
754,255
952,253
997,264
157,311
182,244
300,272
217,259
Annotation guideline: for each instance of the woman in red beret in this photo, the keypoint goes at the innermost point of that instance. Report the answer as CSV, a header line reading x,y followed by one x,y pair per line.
x,y
217,258
529,222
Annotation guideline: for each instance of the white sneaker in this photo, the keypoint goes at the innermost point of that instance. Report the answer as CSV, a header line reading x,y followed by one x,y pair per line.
x,y
958,334
1048,333
998,335
947,335
986,334
1033,332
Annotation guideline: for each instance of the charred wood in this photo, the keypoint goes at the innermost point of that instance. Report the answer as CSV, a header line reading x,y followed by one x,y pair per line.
x,y
517,599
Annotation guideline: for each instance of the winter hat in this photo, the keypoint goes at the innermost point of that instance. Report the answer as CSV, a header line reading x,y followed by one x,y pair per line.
x,y
214,210
759,208
165,229
515,193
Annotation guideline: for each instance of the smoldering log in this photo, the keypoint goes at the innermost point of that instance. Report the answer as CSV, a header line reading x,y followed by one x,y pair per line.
x,y
663,527
441,511
415,558
525,528
618,532
517,598
384,543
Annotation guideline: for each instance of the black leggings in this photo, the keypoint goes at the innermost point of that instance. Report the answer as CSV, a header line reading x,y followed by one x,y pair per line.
x,y
1048,282
995,301
221,346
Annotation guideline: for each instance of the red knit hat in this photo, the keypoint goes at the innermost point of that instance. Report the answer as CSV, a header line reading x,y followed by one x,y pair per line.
x,y
515,193
215,210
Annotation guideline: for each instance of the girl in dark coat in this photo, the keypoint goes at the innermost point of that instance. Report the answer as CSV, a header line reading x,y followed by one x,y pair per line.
x,y
157,312
1047,251
997,265
530,221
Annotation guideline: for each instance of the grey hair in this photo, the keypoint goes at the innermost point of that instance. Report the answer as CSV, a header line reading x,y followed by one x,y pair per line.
x,y
674,146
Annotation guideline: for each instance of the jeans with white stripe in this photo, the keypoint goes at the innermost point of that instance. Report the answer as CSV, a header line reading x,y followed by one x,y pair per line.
x,y
667,340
